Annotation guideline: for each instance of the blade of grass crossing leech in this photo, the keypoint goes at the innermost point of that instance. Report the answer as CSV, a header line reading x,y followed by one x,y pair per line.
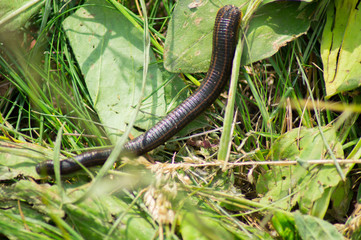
x,y
225,142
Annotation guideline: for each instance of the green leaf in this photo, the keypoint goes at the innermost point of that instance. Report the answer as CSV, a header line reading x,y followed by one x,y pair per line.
x,y
189,39
286,186
21,159
273,26
320,206
188,44
341,47
314,228
109,50
15,14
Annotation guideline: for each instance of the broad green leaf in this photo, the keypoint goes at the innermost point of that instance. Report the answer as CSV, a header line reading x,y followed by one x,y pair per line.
x,y
109,50
188,44
301,184
273,26
341,47
15,14
21,159
314,228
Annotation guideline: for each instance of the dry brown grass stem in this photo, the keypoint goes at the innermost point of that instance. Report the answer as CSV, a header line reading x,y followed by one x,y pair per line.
x,y
175,166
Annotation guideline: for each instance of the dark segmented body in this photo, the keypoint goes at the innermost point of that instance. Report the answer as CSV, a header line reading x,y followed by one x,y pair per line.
x,y
225,38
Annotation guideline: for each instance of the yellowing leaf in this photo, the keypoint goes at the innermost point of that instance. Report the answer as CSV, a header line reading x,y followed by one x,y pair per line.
x,y
341,47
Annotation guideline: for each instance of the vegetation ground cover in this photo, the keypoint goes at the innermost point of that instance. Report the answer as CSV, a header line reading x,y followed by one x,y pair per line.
x,y
278,162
